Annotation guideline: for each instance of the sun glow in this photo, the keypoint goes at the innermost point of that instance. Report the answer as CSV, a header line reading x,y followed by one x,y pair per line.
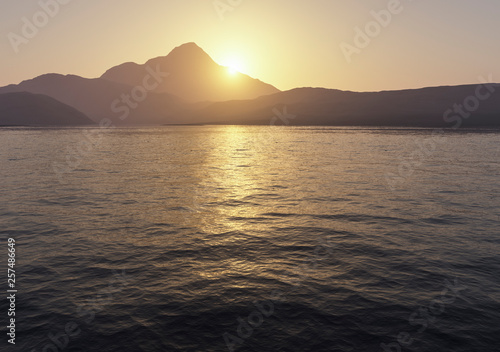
x,y
232,70
234,65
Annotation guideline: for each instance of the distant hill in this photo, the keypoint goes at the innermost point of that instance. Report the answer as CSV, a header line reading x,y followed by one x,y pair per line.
x,y
132,94
193,76
26,109
100,98
318,106
188,87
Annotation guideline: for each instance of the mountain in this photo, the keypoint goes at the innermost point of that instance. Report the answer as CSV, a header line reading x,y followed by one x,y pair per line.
x,y
187,87
153,93
26,109
100,99
426,107
193,76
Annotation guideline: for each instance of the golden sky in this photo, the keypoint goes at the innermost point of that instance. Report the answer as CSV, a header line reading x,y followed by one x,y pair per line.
x,y
342,44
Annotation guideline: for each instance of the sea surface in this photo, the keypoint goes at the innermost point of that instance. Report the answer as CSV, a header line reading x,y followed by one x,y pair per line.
x,y
222,238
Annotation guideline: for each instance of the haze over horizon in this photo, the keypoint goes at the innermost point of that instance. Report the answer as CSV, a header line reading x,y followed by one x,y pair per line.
x,y
296,44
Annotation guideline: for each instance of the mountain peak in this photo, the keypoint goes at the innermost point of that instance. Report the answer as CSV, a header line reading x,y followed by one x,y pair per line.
x,y
188,46
192,75
189,51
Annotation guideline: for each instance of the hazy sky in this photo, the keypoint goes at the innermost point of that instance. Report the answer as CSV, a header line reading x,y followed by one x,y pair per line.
x,y
288,43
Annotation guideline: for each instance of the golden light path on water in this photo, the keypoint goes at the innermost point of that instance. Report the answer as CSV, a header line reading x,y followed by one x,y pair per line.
x,y
206,220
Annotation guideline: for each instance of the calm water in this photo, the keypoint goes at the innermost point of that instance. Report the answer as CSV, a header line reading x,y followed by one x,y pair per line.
x,y
262,239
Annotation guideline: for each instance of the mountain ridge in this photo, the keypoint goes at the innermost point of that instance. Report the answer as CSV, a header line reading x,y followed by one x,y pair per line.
x,y
423,107
96,98
193,76
152,94
27,109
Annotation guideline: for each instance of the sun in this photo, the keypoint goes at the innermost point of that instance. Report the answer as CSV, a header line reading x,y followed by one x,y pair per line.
x,y
234,65
232,70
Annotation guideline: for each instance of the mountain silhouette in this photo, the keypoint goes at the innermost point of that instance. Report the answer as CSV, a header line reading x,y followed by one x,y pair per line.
x,y
426,107
193,76
100,99
26,109
188,87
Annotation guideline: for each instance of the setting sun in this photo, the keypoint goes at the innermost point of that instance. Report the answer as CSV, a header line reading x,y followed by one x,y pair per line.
x,y
232,70
234,65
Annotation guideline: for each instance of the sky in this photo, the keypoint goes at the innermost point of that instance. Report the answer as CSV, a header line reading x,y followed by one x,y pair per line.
x,y
353,45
